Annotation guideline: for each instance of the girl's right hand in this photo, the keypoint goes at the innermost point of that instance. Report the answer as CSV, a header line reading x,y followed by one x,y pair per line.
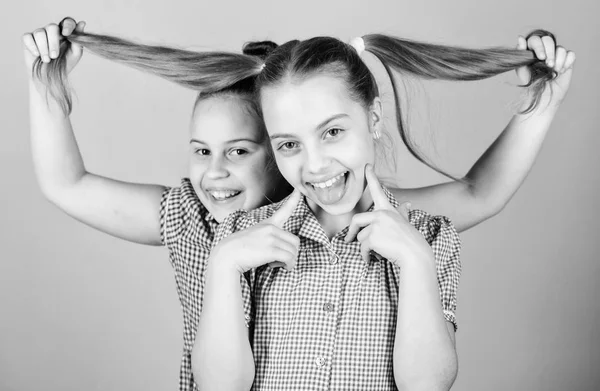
x,y
264,243
45,43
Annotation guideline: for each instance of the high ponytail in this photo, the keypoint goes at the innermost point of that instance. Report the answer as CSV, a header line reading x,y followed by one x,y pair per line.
x,y
205,72
439,62
330,55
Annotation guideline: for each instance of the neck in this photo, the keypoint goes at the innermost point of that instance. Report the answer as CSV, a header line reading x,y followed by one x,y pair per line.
x,y
332,224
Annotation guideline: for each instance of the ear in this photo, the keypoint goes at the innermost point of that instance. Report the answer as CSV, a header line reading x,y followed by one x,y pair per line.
x,y
376,116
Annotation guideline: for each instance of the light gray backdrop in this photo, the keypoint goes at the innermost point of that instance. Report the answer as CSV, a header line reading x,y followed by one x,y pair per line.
x,y
82,310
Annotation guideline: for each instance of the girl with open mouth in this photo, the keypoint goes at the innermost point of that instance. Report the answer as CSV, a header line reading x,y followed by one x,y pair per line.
x,y
342,316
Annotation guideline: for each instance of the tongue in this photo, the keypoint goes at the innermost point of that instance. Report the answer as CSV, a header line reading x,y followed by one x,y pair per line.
x,y
333,194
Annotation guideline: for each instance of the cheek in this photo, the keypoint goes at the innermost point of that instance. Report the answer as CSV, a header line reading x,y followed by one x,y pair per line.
x,y
254,172
196,169
290,168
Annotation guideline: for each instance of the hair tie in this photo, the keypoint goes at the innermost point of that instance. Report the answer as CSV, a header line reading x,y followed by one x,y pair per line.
x,y
358,44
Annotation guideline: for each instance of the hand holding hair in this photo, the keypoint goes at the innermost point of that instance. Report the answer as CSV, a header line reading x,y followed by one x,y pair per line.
x,y
47,44
560,60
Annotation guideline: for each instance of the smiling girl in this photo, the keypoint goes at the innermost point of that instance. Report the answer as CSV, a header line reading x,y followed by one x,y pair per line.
x,y
324,155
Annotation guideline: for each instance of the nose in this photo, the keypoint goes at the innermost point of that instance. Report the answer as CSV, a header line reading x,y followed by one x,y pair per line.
x,y
317,160
217,168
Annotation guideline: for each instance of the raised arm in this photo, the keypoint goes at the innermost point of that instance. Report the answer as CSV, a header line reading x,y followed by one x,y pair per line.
x,y
125,210
499,172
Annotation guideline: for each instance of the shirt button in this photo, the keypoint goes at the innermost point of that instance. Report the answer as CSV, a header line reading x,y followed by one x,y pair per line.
x,y
320,361
327,307
334,259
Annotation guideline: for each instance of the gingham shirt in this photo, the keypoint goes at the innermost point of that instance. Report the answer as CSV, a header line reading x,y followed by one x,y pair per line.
x,y
329,324
187,229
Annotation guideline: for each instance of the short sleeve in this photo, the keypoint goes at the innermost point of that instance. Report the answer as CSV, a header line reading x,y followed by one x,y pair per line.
x,y
178,206
441,234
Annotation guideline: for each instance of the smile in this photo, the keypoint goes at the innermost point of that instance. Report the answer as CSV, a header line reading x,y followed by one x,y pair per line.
x,y
222,195
328,183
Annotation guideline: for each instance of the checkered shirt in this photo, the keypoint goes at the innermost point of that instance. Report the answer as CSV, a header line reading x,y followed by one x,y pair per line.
x,y
330,323
187,229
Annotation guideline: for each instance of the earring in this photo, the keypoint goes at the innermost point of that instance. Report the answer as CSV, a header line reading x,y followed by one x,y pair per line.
x,y
376,135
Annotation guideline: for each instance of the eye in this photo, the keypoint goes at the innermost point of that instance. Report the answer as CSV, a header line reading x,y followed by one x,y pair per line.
x,y
202,151
238,152
333,132
288,145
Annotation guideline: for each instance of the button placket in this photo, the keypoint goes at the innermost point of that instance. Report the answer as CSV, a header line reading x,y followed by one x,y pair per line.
x,y
334,259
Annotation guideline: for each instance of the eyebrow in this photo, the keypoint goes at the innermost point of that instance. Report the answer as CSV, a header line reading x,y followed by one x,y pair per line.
x,y
237,140
320,126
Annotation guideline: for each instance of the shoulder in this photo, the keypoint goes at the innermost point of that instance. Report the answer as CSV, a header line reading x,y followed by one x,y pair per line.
x,y
242,219
435,229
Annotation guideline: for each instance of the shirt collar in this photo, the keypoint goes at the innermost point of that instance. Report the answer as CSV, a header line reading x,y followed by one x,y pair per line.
x,y
304,223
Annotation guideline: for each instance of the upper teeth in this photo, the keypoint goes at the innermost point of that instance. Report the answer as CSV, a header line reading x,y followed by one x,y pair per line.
x,y
329,182
223,194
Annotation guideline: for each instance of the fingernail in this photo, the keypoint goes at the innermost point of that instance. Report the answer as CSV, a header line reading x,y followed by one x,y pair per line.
x,y
45,58
53,54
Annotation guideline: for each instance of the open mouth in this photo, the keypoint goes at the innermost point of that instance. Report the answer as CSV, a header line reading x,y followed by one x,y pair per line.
x,y
223,195
332,190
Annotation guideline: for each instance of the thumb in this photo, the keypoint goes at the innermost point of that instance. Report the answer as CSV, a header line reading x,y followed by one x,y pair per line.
x,y
523,73
76,48
403,209
285,211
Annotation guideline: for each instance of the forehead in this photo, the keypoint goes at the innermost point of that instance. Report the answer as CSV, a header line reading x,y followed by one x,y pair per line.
x,y
305,103
222,118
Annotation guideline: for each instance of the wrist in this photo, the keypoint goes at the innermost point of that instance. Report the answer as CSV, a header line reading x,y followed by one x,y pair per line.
x,y
222,262
418,259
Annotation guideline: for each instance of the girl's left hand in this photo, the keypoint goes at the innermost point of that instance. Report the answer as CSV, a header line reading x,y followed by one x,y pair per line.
x,y
557,57
386,230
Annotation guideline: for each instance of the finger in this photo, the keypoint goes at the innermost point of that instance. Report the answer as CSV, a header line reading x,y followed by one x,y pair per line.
x,y
364,237
570,60
365,250
379,198
521,43
404,209
534,43
523,73
560,58
39,36
76,48
549,48
292,248
281,256
67,26
30,45
80,27
285,211
289,238
287,258
358,222
53,36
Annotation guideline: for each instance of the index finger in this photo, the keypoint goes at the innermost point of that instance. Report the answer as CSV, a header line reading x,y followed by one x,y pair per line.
x,y
285,211
379,198
67,26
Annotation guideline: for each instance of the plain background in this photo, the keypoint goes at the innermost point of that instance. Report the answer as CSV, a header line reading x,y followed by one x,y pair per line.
x,y
82,310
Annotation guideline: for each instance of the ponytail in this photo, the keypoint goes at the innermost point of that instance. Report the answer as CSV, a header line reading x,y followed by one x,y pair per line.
x,y
439,62
205,72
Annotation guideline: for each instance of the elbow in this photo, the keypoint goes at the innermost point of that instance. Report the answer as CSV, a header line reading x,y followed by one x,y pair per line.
x,y
210,373
60,193
434,378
